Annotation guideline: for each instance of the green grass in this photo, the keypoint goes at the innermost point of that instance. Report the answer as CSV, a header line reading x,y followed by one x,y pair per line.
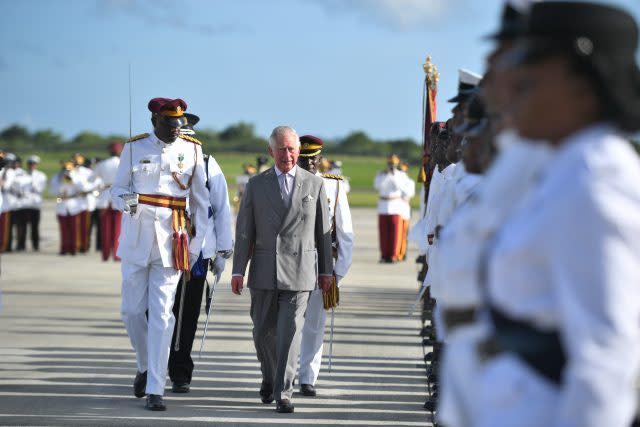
x,y
360,170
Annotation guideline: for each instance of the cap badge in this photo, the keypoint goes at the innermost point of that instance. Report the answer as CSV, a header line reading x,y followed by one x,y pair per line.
x,y
584,46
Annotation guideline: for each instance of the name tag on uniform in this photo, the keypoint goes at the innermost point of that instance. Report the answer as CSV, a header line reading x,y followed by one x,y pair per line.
x,y
145,161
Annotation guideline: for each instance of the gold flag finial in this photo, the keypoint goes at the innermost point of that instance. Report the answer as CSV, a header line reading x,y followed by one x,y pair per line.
x,y
431,72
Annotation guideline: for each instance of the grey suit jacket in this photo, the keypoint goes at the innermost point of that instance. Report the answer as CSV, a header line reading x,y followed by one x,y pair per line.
x,y
282,244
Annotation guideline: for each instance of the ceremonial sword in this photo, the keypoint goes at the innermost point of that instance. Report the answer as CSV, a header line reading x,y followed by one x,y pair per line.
x,y
212,291
176,347
417,301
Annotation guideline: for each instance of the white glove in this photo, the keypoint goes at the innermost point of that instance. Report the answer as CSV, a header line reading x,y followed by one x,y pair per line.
x,y
338,280
218,265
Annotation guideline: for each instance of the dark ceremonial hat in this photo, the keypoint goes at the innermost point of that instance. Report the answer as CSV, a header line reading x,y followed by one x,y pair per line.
x,y
599,41
170,111
310,146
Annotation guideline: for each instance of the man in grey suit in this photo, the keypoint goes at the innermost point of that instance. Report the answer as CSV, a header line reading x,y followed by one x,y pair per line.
x,y
283,227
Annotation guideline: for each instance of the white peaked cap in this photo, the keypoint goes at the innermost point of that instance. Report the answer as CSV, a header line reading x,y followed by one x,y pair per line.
x,y
469,77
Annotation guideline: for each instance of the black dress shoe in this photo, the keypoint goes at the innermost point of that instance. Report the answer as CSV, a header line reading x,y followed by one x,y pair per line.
x,y
140,384
266,394
284,406
180,387
308,390
155,403
431,403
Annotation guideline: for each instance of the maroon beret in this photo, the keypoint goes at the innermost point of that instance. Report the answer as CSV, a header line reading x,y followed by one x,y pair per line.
x,y
168,107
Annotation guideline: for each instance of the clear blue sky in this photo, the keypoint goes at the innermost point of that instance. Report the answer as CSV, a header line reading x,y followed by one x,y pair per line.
x,y
326,67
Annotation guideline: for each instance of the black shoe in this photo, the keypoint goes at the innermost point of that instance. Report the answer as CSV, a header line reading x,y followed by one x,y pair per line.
x,y
432,403
155,403
182,387
266,394
308,390
426,331
428,357
284,406
428,342
140,384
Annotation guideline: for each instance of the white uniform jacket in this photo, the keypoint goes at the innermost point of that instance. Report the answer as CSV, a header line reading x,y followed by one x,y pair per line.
x,y
106,172
394,189
70,194
569,260
29,187
339,209
10,200
147,165
219,236
93,184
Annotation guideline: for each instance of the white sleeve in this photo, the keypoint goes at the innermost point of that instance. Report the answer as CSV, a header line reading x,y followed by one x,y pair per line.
x,y
219,199
199,204
344,233
123,177
594,256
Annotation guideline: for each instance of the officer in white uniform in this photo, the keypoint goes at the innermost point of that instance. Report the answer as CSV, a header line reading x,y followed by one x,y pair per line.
x,y
316,315
394,191
93,187
29,184
563,270
110,217
217,248
69,188
157,172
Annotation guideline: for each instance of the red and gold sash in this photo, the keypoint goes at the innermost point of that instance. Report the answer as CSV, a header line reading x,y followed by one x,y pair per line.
x,y
178,205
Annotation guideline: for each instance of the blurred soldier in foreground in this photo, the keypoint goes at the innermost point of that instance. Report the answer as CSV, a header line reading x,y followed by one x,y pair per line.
x,y
262,163
342,242
563,270
110,218
395,188
217,248
158,242
29,185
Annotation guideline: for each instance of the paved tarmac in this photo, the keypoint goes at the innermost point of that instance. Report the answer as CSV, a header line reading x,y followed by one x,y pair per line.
x,y
65,358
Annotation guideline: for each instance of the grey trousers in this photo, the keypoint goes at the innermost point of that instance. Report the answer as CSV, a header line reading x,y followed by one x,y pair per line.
x,y
278,318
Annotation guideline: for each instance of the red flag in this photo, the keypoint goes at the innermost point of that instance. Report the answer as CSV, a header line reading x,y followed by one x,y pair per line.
x,y
428,117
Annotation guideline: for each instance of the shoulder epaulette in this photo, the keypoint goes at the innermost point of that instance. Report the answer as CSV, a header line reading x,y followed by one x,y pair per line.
x,y
332,176
190,138
137,137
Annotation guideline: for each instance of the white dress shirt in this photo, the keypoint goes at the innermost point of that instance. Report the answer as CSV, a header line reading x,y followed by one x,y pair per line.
x,y
286,182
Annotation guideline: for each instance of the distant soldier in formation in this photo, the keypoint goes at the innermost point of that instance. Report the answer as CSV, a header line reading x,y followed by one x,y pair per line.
x,y
248,170
395,189
342,242
110,217
86,200
262,163
69,188
28,187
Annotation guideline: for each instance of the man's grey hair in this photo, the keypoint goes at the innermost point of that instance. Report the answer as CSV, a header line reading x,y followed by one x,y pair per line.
x,y
280,131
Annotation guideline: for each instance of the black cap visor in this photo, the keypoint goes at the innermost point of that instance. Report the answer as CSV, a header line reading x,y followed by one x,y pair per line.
x,y
174,122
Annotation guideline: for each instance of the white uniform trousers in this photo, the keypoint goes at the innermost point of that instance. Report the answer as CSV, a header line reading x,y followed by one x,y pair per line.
x,y
151,287
312,336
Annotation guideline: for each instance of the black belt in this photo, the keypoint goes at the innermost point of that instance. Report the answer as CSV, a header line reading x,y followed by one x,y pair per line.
x,y
541,350
455,318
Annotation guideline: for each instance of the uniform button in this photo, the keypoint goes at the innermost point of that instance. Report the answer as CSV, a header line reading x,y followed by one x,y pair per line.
x,y
157,219
162,168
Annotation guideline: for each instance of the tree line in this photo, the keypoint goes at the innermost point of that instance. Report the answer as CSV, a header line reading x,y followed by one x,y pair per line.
x,y
239,137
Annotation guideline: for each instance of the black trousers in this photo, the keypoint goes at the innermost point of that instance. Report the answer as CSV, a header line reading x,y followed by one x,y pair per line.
x,y
94,223
27,218
180,362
